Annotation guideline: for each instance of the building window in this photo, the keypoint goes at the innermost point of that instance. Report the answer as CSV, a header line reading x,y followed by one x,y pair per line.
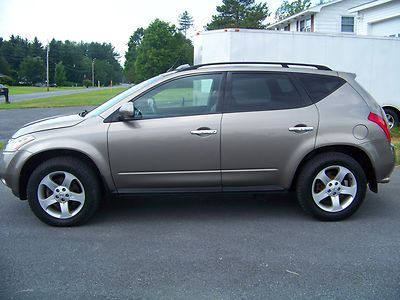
x,y
302,22
347,24
308,25
305,25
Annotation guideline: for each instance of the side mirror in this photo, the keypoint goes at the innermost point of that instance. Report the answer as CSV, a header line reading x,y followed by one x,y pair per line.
x,y
126,112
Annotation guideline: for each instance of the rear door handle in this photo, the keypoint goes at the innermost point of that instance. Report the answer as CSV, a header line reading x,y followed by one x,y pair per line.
x,y
203,131
301,129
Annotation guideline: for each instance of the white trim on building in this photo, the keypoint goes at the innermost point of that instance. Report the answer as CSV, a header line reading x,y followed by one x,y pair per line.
x,y
379,17
376,17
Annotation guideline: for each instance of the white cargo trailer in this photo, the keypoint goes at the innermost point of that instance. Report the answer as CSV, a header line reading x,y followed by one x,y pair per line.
x,y
375,60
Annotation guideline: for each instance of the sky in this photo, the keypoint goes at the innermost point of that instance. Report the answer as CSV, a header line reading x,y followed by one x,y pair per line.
x,y
99,20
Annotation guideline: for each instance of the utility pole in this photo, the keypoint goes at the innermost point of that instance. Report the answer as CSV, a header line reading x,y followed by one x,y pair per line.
x,y
93,71
47,66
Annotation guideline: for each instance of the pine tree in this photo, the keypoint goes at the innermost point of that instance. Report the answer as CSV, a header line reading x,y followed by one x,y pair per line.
x,y
185,22
239,14
288,9
60,76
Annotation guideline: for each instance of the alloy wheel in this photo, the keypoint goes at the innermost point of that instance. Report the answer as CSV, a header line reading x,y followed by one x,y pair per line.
x,y
334,188
61,195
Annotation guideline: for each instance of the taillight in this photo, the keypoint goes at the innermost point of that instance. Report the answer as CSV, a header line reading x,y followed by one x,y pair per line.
x,y
381,123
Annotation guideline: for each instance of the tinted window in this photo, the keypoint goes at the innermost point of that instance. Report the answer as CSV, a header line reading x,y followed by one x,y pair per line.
x,y
181,97
320,86
261,91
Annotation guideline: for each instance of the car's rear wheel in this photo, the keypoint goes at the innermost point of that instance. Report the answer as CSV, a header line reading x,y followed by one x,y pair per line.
x,y
331,186
63,191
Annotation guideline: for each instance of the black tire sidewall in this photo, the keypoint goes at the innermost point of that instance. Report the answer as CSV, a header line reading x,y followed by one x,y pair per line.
x,y
310,171
391,112
77,168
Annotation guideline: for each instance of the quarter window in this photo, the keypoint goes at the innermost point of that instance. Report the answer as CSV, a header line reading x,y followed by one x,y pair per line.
x,y
252,92
181,97
320,86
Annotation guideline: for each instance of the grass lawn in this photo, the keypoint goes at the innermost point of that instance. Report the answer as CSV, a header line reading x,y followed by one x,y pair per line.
x,y
82,99
396,141
1,145
19,90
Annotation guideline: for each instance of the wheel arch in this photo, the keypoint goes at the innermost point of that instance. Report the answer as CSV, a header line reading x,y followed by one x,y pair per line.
x,y
393,107
356,153
38,158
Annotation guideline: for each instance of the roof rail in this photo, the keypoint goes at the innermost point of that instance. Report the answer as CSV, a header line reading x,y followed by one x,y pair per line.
x,y
283,64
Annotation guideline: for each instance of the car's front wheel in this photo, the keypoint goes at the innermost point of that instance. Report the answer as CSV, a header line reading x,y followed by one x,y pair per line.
x,y
63,191
331,186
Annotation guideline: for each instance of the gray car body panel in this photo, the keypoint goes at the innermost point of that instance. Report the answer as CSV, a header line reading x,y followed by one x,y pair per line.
x,y
88,137
51,123
259,150
162,155
354,129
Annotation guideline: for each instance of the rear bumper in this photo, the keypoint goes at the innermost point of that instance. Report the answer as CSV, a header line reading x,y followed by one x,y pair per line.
x,y
382,155
387,179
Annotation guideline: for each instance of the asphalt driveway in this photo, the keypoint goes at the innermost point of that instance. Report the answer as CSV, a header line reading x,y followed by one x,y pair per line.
x,y
203,247
11,120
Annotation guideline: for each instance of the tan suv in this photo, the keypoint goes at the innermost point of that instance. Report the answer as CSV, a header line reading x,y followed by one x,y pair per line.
x,y
209,128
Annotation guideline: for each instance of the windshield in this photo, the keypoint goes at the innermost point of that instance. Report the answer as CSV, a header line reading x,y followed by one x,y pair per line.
x,y
106,105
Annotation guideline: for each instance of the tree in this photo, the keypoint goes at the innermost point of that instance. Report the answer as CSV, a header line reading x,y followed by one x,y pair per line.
x,y
36,48
162,46
131,54
76,60
185,22
288,9
239,14
31,70
60,76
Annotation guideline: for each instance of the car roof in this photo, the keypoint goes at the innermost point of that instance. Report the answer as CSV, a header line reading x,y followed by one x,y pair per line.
x,y
257,67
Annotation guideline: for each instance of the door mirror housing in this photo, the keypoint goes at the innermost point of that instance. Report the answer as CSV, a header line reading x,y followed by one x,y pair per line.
x,y
127,111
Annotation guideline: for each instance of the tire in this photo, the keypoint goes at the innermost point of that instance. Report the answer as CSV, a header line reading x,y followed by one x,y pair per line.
x,y
392,117
331,186
63,191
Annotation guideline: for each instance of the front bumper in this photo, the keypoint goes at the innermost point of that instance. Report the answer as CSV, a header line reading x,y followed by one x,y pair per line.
x,y
11,164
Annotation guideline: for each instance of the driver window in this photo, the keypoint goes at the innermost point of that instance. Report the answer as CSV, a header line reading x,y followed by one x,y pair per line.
x,y
186,96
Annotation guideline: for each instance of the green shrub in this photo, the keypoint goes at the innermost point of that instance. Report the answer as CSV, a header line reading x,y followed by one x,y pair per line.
x,y
7,80
87,83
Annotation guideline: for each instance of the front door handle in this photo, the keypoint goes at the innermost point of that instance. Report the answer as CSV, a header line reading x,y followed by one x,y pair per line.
x,y
204,131
301,129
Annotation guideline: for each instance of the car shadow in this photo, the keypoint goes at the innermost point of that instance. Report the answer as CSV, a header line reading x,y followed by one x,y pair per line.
x,y
199,206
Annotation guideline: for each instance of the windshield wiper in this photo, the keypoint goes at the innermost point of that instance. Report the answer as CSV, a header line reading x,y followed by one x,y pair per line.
x,y
83,113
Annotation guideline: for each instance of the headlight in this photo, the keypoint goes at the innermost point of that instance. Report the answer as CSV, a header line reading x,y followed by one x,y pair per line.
x,y
16,144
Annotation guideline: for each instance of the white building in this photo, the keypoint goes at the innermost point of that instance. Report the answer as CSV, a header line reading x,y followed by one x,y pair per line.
x,y
380,17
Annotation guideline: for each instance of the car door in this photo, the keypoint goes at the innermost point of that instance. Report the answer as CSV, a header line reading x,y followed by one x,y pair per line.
x,y
174,142
268,126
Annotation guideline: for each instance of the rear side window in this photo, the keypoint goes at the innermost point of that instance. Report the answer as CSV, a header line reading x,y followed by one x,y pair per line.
x,y
320,86
263,91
